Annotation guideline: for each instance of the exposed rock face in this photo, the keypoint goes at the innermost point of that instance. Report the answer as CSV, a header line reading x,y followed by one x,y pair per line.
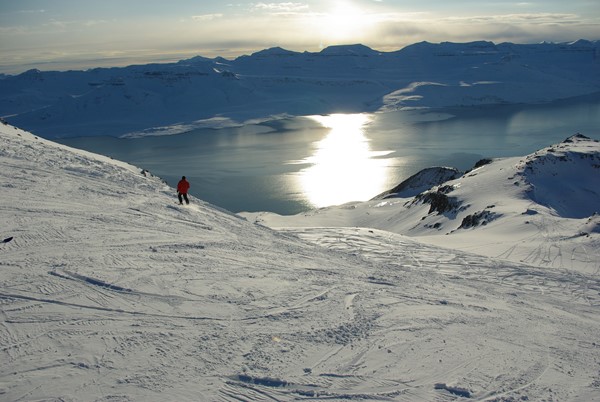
x,y
421,181
480,163
439,200
480,218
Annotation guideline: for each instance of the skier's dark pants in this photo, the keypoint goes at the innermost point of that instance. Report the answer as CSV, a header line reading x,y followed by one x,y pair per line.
x,y
184,198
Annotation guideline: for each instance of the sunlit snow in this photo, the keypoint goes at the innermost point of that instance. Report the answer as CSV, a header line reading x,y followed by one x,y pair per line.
x,y
112,291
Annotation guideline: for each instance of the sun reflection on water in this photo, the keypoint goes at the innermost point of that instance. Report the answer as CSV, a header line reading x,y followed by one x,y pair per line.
x,y
343,167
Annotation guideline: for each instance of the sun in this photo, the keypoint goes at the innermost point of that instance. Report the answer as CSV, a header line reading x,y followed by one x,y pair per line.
x,y
343,23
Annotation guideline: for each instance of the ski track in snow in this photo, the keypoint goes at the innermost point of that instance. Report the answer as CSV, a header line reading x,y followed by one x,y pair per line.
x,y
110,291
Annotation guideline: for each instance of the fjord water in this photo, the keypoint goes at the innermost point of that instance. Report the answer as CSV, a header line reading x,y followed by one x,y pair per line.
x,y
299,163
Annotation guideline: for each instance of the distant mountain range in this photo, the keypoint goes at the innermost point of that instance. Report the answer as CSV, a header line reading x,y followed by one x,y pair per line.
x,y
176,97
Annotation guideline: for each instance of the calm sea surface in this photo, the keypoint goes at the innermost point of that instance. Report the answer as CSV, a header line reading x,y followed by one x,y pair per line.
x,y
292,165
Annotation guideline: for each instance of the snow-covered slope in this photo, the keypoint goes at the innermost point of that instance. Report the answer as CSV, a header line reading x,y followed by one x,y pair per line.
x,y
118,101
111,291
543,208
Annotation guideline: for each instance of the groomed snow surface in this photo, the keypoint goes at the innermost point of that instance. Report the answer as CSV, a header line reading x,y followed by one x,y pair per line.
x,y
111,291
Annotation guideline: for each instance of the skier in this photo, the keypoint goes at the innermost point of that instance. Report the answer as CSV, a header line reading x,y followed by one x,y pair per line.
x,y
182,188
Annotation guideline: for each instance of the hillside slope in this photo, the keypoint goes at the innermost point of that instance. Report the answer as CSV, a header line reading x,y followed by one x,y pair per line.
x,y
542,209
111,291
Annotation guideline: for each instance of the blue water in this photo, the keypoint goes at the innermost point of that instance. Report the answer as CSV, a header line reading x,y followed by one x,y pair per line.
x,y
292,165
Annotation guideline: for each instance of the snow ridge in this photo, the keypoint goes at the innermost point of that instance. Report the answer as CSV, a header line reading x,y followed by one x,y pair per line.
x,y
565,180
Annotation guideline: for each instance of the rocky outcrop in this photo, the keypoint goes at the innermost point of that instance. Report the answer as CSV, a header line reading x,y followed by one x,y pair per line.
x,y
420,182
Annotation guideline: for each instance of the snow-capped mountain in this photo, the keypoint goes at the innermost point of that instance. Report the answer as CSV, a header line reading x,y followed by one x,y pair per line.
x,y
120,101
112,291
542,209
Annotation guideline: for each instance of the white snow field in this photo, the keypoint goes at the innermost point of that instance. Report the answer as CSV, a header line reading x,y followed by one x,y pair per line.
x,y
111,291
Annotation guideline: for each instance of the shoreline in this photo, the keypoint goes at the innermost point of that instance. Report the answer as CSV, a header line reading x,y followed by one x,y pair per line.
x,y
423,114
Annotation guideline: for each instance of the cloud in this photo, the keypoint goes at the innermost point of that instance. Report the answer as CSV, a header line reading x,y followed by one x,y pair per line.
x,y
92,23
291,25
207,17
29,11
280,7
14,30
531,18
521,28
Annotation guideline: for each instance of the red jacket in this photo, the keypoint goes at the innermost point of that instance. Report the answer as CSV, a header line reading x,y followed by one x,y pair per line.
x,y
183,186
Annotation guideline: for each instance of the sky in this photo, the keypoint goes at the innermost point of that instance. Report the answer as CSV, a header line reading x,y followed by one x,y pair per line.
x,y
79,34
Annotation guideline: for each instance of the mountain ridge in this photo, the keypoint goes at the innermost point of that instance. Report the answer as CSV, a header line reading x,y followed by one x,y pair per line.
x,y
346,78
